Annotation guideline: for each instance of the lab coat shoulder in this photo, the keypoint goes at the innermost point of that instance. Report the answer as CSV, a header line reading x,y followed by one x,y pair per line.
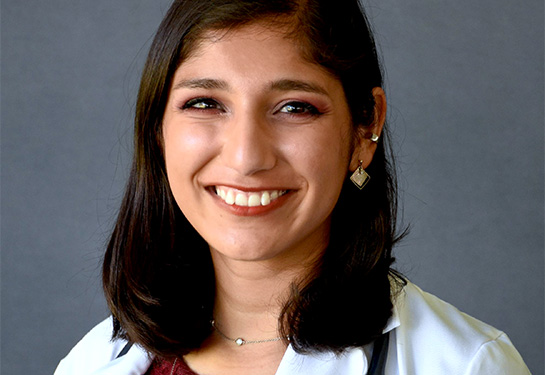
x,y
96,354
435,337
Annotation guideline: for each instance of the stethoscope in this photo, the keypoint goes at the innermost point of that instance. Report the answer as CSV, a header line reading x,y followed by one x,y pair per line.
x,y
378,359
380,353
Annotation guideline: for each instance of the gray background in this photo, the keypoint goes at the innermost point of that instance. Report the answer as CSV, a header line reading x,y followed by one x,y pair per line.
x,y
465,88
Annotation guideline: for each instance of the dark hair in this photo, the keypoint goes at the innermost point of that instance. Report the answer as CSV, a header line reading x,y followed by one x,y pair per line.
x,y
158,275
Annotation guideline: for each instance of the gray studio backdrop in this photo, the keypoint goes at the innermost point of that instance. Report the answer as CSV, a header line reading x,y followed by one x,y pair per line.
x,y
465,88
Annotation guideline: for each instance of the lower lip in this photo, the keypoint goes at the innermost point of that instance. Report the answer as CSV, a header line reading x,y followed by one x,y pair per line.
x,y
251,211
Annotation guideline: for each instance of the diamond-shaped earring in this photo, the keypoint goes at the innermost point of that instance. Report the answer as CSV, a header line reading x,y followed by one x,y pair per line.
x,y
360,178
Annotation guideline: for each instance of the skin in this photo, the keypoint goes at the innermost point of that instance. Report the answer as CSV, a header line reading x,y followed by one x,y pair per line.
x,y
247,114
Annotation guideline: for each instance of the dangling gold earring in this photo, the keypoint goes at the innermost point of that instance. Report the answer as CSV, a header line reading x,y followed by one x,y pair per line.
x,y
360,178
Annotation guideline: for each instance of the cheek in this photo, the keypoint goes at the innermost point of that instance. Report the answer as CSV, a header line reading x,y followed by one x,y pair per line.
x,y
323,156
186,152
332,150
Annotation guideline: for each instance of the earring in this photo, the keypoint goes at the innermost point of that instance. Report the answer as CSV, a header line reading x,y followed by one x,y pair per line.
x,y
374,137
360,178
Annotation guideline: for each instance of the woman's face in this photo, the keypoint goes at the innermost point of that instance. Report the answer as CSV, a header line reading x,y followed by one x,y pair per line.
x,y
256,145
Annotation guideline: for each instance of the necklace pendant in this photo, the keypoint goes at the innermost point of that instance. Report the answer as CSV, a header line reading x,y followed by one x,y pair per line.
x,y
239,341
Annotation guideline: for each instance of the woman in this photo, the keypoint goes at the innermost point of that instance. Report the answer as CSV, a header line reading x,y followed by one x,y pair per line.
x,y
251,238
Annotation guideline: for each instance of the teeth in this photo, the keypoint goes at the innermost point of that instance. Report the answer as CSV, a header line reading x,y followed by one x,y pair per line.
x,y
253,199
229,197
265,198
241,200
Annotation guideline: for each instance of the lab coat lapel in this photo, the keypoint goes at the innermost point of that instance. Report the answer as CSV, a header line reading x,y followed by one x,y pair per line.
x,y
135,362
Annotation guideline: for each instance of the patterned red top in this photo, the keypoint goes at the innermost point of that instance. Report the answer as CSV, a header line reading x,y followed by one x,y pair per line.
x,y
163,367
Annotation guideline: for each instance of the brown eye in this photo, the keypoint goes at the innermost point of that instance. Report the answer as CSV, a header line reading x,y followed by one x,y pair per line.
x,y
201,104
298,108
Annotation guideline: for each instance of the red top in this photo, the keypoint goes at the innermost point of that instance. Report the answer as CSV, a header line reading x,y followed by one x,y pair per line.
x,y
163,367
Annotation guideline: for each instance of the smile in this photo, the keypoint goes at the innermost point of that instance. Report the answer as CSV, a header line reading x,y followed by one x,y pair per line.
x,y
248,199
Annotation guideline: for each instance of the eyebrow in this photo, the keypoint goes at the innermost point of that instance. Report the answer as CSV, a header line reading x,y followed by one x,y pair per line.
x,y
202,83
280,85
296,85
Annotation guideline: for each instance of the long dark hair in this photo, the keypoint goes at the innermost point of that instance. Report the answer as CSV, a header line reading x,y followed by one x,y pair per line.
x,y
158,275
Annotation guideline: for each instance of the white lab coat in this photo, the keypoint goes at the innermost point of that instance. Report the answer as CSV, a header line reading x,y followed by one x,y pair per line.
x,y
427,337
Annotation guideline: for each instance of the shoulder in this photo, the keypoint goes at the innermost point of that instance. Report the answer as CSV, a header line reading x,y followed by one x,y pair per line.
x,y
96,352
419,310
444,338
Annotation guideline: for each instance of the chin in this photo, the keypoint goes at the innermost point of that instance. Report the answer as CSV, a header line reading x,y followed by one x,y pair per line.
x,y
241,254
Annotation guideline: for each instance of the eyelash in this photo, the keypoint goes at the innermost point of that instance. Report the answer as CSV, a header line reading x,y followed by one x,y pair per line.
x,y
210,104
296,108
302,107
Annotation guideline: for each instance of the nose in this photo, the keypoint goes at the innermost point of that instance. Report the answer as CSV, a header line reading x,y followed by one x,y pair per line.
x,y
248,146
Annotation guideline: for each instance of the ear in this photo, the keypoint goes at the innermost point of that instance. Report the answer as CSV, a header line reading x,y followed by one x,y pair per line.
x,y
365,148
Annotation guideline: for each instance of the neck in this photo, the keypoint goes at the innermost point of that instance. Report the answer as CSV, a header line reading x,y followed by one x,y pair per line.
x,y
249,299
250,295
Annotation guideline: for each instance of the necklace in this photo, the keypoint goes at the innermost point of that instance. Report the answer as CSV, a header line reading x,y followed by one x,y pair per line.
x,y
239,340
173,366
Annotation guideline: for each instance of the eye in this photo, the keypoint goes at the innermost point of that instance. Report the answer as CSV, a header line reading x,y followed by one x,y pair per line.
x,y
202,104
299,108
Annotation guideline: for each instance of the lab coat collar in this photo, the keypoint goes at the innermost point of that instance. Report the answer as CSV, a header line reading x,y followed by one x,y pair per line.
x,y
352,361
393,322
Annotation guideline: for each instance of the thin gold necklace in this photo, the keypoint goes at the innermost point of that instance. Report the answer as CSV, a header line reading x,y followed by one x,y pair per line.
x,y
239,340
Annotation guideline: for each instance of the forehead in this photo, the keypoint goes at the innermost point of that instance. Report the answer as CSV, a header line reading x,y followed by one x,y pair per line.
x,y
257,37
255,51
266,28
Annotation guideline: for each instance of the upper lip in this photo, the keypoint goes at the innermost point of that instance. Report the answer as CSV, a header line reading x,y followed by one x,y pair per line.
x,y
248,189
